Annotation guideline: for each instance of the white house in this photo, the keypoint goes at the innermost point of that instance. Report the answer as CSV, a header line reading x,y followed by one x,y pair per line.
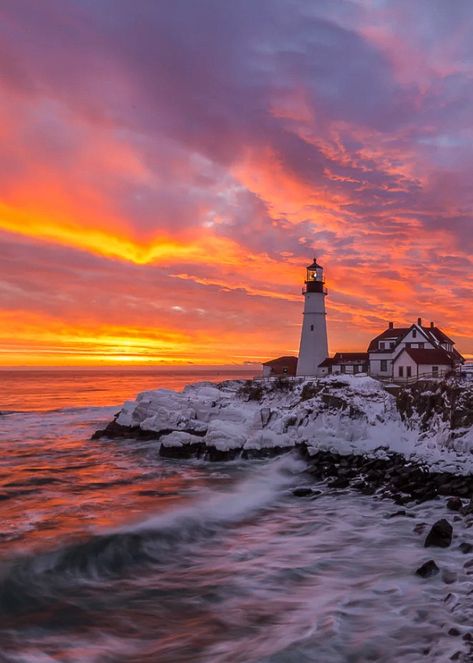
x,y
417,363
386,356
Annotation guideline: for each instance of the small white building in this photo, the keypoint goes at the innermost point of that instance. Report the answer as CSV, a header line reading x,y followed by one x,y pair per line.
x,y
385,352
416,363
345,362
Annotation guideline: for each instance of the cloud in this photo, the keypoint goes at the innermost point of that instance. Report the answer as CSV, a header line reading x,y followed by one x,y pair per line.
x,y
178,153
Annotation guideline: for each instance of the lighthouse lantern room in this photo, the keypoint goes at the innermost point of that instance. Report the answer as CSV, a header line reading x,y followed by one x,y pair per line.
x,y
313,347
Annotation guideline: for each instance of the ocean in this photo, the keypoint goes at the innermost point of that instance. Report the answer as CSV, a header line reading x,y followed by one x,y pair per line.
x,y
111,554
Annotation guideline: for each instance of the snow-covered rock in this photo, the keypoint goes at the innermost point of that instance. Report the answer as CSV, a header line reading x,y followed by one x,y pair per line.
x,y
344,414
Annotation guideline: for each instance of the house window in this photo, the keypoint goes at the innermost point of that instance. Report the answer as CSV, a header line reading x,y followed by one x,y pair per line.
x,y
414,333
381,346
435,371
408,345
312,328
343,368
384,365
391,345
408,371
421,345
401,371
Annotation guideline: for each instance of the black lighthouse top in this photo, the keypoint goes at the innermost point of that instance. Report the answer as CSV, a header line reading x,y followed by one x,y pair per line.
x,y
314,281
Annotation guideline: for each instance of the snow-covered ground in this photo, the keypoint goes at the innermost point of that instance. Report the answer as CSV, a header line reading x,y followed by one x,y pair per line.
x,y
343,414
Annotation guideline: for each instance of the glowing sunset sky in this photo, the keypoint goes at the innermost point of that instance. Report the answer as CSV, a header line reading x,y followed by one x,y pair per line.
x,y
169,167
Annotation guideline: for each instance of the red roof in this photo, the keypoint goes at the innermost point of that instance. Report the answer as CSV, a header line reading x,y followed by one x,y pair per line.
x,y
326,363
438,334
396,334
425,356
393,333
350,356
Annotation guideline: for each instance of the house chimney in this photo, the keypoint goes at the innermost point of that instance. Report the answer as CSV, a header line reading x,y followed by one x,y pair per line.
x,y
432,325
391,325
419,322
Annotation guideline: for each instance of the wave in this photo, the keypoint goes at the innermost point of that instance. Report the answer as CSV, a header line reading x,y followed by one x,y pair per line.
x,y
33,582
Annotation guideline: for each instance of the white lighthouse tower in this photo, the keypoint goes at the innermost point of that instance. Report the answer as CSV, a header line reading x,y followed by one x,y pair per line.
x,y
314,348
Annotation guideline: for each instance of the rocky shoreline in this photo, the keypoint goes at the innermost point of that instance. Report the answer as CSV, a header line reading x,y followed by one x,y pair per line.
x,y
353,436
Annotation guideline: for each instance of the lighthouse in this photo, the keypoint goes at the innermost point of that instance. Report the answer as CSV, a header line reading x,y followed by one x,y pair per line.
x,y
313,348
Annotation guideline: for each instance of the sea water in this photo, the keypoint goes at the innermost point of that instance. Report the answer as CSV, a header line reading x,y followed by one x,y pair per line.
x,y
110,553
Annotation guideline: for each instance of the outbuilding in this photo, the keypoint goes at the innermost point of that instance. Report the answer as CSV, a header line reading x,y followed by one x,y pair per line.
x,y
418,362
280,367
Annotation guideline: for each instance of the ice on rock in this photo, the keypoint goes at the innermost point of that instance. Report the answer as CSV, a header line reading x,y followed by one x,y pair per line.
x,y
226,435
349,413
179,439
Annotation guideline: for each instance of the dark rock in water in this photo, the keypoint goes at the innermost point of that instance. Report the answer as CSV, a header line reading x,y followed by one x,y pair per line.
x,y
265,452
402,512
440,535
449,577
302,492
428,569
195,450
468,508
216,455
454,504
465,547
454,631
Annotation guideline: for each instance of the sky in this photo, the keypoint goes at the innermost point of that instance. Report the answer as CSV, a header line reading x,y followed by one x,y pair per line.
x,y
169,167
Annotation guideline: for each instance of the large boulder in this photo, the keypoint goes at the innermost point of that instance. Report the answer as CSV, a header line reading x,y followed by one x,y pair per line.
x,y
440,535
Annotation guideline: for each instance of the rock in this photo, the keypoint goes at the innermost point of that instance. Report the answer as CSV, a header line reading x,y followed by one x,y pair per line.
x,y
339,483
465,510
402,512
454,631
419,528
449,577
428,569
454,504
302,492
265,414
440,535
465,547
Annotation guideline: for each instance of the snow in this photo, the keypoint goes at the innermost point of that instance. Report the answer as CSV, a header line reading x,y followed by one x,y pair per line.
x,y
343,413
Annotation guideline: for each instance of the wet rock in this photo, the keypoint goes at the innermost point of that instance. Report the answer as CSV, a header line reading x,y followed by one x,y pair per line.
x,y
419,528
467,509
454,631
339,483
196,450
302,492
449,577
402,512
428,569
465,547
265,414
440,535
454,504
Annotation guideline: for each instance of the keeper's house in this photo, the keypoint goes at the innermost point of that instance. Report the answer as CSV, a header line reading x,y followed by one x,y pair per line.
x,y
345,362
400,353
